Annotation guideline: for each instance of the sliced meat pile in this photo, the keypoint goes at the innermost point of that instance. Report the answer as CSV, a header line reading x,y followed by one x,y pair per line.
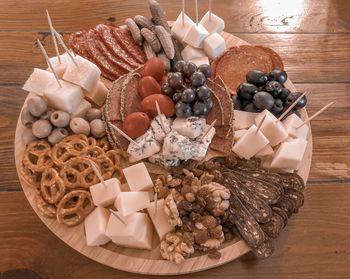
x,y
111,48
233,66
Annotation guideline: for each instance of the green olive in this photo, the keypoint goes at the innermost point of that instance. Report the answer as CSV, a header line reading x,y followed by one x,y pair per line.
x,y
41,128
37,106
59,118
79,126
97,128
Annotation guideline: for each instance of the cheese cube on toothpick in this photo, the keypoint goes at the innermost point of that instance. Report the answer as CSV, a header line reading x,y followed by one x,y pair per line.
x,y
38,81
131,202
243,119
137,177
291,123
104,194
137,232
196,35
60,66
190,127
143,147
214,45
181,26
239,133
212,23
189,53
95,227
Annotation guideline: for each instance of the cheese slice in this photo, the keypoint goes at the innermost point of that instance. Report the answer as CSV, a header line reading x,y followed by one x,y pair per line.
x,y
38,81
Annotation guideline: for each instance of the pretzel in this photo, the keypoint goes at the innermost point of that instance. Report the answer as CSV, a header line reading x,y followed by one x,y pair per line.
x,y
37,156
91,141
77,173
75,137
94,152
106,166
118,157
64,151
45,209
74,207
103,143
52,186
30,177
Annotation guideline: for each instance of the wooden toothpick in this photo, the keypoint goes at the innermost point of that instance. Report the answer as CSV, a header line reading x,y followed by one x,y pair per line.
x,y
291,106
123,134
53,36
260,124
315,114
155,203
210,127
209,10
183,12
160,117
115,214
60,40
196,7
97,172
48,62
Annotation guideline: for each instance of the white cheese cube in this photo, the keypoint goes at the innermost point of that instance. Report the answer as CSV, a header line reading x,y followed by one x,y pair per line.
x,y
214,45
266,151
161,161
201,145
38,81
86,75
58,67
243,119
200,61
190,127
196,35
66,98
159,219
95,227
137,177
98,95
180,28
136,233
290,124
250,143
146,146
105,195
189,53
177,146
239,133
213,23
157,128
289,154
81,110
131,202
271,128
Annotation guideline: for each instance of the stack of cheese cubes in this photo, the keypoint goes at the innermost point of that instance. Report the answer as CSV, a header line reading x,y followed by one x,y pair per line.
x,y
136,230
77,80
280,145
203,40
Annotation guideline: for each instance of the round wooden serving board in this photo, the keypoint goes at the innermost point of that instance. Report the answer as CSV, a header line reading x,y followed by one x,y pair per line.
x,y
142,261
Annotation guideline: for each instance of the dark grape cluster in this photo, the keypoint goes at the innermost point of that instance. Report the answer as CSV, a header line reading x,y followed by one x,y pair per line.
x,y
186,86
266,91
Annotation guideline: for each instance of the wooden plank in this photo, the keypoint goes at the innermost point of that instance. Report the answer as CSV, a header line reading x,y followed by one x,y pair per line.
x,y
314,240
248,16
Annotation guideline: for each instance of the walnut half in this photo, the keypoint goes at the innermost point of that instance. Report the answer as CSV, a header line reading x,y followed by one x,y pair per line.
x,y
174,248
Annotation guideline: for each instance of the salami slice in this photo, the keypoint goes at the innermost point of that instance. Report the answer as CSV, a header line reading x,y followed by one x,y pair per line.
x,y
274,227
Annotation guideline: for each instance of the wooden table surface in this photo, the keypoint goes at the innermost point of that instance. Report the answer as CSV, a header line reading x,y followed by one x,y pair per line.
x,y
313,38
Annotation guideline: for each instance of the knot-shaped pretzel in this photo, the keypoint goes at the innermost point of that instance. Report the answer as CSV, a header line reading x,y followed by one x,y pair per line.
x,y
75,137
32,178
94,152
37,156
103,143
91,141
77,173
45,209
52,186
74,207
105,165
64,151
118,157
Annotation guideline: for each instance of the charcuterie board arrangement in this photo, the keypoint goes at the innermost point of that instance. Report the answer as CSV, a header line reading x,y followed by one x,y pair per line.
x,y
163,147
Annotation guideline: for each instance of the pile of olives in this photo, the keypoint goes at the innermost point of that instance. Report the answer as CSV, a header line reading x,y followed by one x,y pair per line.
x,y
186,86
266,91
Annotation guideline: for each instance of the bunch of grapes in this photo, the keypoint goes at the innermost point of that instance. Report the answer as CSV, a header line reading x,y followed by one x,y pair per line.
x,y
186,86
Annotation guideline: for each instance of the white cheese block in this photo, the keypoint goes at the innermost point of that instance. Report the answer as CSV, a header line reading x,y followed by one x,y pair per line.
x,y
95,227
58,67
161,161
190,127
98,95
136,233
66,98
266,151
196,35
38,81
289,154
180,28
137,177
158,130
146,146
239,133
271,128
105,195
177,146
214,45
159,219
131,202
243,119
213,23
81,110
250,143
290,124
86,75
200,61
189,53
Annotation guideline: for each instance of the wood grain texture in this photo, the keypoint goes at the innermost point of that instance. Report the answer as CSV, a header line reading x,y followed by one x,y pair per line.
x,y
305,16
314,240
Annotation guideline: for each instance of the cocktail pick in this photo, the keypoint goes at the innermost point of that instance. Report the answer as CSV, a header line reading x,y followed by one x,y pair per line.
x,y
48,62
60,40
291,106
315,114
155,203
210,127
123,134
160,117
196,7
183,12
97,172
115,214
209,10
260,124
53,36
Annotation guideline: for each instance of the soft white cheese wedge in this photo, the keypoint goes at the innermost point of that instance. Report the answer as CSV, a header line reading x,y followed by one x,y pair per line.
x,y
158,130
266,151
190,127
95,227
161,161
177,146
38,81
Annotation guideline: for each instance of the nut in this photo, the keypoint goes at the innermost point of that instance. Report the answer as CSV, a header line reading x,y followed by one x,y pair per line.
x,y
148,50
134,30
158,15
152,39
171,211
174,248
144,22
166,41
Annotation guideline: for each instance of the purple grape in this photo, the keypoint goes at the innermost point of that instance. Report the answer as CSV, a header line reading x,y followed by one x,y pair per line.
x,y
209,104
200,109
177,96
188,95
183,110
203,93
179,65
175,80
188,69
198,79
167,90
205,69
